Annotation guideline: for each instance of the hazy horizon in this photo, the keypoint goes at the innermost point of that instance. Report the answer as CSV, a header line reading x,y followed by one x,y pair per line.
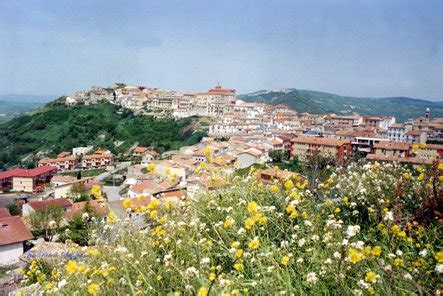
x,y
349,48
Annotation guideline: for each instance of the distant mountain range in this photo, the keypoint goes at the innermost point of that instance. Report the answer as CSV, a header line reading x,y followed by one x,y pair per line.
x,y
13,105
402,108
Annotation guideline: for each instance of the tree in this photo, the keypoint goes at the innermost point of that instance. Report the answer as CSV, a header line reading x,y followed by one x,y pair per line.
x,y
48,221
78,192
79,175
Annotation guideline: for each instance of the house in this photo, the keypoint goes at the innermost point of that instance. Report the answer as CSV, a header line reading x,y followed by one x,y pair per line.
x,y
139,151
64,162
24,180
13,236
390,148
99,208
42,205
80,151
416,136
305,146
63,190
249,157
99,159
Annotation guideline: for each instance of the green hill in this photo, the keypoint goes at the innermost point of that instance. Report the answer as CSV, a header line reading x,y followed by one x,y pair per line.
x,y
55,127
402,108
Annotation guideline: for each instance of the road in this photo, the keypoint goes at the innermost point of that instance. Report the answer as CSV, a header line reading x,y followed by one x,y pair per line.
x,y
118,167
113,192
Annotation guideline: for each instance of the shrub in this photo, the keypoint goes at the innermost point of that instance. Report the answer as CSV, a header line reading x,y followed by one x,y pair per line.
x,y
353,234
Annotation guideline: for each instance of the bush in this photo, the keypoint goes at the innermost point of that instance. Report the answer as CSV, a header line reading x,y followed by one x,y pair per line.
x,y
356,233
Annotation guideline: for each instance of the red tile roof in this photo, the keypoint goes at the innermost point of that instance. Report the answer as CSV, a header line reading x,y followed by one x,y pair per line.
x,y
100,208
4,213
320,141
43,204
390,145
32,173
13,230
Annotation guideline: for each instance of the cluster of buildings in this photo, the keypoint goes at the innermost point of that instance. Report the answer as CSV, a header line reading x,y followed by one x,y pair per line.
x,y
145,100
79,159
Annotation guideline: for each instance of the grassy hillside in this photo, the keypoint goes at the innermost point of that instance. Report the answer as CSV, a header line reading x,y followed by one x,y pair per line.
x,y
320,102
54,128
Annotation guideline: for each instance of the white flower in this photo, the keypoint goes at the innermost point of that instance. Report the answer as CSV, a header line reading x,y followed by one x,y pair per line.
x,y
389,216
423,253
300,260
439,268
328,261
85,216
61,283
352,230
311,277
337,255
205,260
241,231
301,242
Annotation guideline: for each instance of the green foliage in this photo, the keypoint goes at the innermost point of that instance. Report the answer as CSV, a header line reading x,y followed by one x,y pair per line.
x,y
57,128
14,209
47,221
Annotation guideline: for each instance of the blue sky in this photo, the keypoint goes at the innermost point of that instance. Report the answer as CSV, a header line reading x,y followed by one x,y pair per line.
x,y
358,48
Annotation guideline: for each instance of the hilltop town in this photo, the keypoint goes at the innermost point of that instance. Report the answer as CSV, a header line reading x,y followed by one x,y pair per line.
x,y
92,181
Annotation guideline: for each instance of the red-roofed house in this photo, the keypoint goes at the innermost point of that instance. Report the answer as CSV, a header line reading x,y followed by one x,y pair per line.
x,y
42,205
24,180
13,235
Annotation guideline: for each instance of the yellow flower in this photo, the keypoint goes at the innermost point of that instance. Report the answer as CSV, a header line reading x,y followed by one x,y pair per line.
x,y
285,260
414,148
355,256
371,277
202,291
159,278
249,223
423,145
93,289
212,276
376,251
294,195
71,267
254,244
274,188
440,166
345,200
294,214
290,208
151,167
398,262
153,204
421,177
111,217
228,223
239,253
153,215
289,185
406,176
337,210
127,203
238,266
252,207
439,257
235,244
